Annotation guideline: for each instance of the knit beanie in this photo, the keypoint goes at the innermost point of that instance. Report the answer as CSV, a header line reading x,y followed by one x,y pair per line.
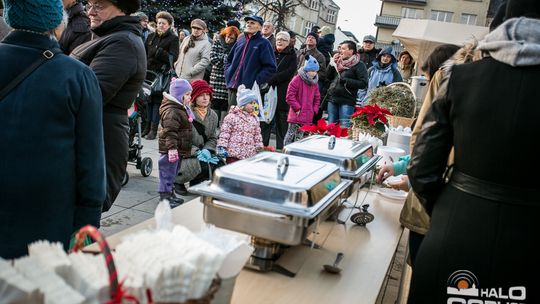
x,y
127,6
325,30
34,15
314,35
233,23
245,96
311,64
199,23
178,88
200,87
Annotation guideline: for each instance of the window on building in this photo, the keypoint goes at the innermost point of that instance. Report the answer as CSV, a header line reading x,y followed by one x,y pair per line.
x,y
468,19
314,4
412,13
307,27
331,17
441,16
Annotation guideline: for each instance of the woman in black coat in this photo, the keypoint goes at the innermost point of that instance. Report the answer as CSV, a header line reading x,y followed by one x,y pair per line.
x,y
161,49
286,67
484,221
118,59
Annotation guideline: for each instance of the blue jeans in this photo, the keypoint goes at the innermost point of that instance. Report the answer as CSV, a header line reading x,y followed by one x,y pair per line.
x,y
341,113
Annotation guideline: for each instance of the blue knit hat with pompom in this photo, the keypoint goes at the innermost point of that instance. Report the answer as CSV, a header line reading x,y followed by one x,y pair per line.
x,y
33,15
311,64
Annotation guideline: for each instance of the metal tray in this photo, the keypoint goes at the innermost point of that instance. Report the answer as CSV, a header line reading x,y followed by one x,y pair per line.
x,y
276,183
353,158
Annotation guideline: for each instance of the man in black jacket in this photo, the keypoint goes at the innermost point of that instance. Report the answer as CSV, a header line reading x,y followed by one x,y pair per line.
x,y
368,52
77,30
118,59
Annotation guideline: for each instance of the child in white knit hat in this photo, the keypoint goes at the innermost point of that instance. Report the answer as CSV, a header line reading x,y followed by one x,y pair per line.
x,y
240,135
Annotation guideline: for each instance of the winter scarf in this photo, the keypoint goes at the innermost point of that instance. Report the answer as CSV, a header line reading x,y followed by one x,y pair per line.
x,y
303,74
342,65
202,111
516,42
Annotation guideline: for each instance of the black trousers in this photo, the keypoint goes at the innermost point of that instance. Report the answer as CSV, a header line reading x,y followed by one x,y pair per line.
x,y
280,124
116,136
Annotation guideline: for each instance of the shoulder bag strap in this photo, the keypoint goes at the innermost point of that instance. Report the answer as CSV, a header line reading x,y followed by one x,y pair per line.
x,y
44,56
200,128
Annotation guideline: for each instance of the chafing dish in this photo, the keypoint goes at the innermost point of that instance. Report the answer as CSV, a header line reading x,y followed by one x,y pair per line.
x,y
356,160
275,198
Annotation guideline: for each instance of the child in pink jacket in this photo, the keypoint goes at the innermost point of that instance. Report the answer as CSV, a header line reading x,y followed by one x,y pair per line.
x,y
303,98
240,134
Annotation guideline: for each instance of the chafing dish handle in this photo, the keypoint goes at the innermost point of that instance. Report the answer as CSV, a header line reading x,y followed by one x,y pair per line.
x,y
332,142
249,210
282,167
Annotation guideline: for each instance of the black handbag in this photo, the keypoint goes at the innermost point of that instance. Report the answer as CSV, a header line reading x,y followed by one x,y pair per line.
x,y
163,80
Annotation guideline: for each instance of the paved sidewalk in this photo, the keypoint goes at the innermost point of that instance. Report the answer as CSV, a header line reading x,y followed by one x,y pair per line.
x,y
139,197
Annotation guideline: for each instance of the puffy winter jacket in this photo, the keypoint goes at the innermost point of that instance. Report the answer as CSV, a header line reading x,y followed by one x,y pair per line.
x,y
176,128
302,97
240,134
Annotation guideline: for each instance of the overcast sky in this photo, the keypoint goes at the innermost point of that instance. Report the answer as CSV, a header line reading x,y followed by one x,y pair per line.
x,y
358,16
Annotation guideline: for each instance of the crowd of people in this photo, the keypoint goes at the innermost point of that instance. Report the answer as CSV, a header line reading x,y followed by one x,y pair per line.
x,y
71,73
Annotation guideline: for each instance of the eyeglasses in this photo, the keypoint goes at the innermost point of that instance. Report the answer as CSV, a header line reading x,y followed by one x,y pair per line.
x,y
369,42
196,28
96,7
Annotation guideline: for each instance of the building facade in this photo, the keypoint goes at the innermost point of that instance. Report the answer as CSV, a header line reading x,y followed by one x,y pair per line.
x,y
305,15
473,12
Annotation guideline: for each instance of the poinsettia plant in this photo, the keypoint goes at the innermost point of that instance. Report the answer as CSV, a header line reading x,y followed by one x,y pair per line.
x,y
371,119
269,148
324,128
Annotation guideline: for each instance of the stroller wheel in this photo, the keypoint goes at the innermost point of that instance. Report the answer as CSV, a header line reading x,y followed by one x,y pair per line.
x,y
125,180
146,166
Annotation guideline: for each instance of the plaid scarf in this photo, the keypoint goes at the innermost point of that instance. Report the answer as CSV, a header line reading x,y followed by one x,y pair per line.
x,y
342,65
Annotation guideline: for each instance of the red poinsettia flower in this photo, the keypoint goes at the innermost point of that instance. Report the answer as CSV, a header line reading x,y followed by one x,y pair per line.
x,y
373,114
322,127
269,148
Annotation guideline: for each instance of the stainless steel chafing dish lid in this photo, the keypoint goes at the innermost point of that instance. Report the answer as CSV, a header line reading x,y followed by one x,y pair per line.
x,y
352,157
277,183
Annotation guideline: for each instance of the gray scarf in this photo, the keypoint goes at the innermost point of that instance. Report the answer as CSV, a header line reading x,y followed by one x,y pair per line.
x,y
306,78
516,42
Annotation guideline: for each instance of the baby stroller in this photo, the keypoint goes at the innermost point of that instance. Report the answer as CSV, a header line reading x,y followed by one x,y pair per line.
x,y
137,113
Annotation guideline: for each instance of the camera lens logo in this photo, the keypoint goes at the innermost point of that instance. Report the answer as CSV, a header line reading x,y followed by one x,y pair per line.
x,y
462,282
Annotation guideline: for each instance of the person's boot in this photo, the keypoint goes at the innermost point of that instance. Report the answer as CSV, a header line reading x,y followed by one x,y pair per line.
x,y
180,189
173,201
146,129
153,132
